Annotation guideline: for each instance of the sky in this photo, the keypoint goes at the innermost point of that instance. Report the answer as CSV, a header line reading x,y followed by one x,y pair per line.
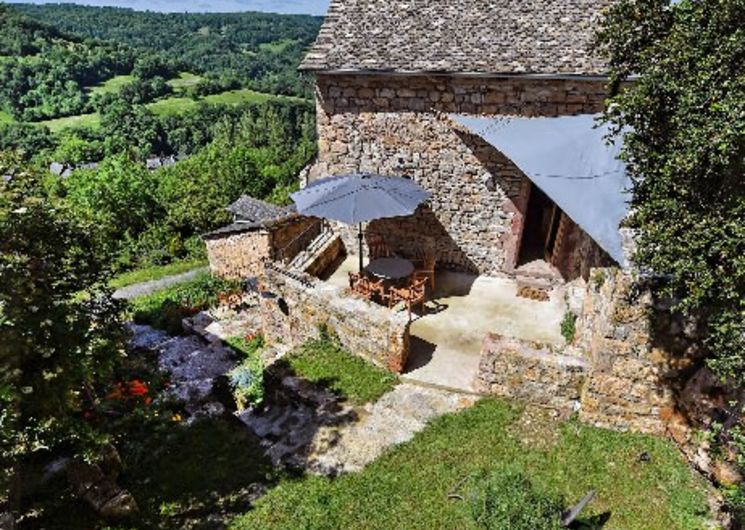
x,y
310,7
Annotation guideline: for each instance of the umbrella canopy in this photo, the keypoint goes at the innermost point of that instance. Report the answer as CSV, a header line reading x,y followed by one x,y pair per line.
x,y
359,198
568,158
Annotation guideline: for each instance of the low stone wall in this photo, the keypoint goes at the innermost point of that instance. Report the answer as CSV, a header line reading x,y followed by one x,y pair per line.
x,y
294,305
515,369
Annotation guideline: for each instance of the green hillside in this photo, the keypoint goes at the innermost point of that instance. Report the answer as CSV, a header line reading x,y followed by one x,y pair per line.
x,y
260,50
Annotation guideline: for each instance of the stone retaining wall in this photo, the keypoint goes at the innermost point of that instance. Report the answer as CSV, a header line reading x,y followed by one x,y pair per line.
x,y
399,126
294,305
531,373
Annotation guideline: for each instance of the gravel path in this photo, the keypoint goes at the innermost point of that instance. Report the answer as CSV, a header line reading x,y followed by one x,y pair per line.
x,y
145,288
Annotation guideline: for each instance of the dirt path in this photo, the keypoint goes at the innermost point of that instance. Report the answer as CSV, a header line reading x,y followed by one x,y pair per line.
x,y
145,288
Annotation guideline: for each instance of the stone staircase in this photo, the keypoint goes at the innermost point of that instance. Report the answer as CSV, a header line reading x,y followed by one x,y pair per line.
x,y
306,256
294,413
536,279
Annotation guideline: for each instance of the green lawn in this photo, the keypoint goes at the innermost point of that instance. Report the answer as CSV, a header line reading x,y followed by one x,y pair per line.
x,y
112,85
350,376
184,80
155,273
408,486
56,125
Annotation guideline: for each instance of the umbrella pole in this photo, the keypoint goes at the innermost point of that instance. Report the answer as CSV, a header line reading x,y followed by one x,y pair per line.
x,y
360,237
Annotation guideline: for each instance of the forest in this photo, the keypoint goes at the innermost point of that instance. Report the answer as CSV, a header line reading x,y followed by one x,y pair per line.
x,y
261,49
143,85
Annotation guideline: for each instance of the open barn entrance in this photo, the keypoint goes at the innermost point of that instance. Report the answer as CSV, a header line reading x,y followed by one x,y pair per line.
x,y
541,228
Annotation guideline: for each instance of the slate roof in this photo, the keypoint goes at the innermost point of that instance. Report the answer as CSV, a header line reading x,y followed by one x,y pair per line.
x,y
251,214
254,210
459,37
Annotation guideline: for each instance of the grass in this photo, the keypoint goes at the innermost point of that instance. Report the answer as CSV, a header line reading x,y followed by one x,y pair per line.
x,y
408,487
155,272
193,471
177,105
166,308
5,117
163,107
79,121
111,85
352,377
184,80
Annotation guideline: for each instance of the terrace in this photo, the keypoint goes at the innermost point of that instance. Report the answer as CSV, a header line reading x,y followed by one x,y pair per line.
x,y
446,339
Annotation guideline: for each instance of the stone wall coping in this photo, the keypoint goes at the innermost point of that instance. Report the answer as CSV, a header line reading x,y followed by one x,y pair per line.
x,y
495,342
339,297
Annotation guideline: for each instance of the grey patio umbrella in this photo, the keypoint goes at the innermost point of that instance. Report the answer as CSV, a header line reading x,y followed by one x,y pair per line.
x,y
359,198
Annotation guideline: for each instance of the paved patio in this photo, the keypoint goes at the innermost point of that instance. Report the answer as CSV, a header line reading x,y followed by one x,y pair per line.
x,y
446,342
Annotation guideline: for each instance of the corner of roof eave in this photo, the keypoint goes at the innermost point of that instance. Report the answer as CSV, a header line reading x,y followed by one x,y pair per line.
x,y
325,70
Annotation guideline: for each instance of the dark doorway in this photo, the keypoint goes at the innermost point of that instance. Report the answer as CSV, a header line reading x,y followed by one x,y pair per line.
x,y
541,228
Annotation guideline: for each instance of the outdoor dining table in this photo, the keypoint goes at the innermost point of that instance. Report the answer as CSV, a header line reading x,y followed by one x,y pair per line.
x,y
392,269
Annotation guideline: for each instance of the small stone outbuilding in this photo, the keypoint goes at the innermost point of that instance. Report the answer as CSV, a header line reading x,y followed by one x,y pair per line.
x,y
259,232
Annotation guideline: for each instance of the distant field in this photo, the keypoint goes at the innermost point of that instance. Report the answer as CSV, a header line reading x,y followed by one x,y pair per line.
x,y
112,85
184,80
164,107
73,122
177,105
277,46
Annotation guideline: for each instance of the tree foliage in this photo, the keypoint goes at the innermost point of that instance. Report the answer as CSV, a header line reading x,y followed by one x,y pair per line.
x,y
684,119
261,49
60,333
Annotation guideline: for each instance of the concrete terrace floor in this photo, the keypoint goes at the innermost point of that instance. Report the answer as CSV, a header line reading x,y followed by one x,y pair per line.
x,y
446,342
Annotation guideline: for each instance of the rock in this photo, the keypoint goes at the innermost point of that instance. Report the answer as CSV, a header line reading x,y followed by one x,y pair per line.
x,y
7,521
726,473
102,493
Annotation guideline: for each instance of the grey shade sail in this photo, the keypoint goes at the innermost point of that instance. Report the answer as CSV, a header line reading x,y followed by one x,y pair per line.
x,y
569,159
359,198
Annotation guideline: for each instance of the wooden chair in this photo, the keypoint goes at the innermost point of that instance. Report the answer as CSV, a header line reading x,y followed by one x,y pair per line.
x,y
377,247
366,287
424,269
413,295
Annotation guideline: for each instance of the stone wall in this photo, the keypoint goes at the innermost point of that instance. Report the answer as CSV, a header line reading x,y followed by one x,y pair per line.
x,y
398,126
294,305
514,369
241,254
631,384
629,367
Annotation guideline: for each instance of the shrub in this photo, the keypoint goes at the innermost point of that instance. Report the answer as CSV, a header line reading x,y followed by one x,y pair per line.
x,y
165,309
247,379
569,326
505,498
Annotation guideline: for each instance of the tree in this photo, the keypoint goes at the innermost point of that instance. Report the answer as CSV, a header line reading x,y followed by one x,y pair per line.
x,y
61,337
685,149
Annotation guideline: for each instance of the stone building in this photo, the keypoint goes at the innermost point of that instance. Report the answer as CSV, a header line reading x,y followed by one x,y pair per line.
x,y
397,84
391,74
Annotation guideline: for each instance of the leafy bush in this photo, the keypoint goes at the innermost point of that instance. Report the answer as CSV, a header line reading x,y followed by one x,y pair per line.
x,y
167,308
569,326
505,498
247,379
